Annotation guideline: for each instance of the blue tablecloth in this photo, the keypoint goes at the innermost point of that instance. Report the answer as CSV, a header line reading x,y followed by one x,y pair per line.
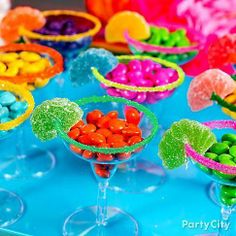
x,y
71,185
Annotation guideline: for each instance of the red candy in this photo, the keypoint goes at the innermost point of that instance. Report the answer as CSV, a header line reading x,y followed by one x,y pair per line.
x,y
93,116
132,115
107,131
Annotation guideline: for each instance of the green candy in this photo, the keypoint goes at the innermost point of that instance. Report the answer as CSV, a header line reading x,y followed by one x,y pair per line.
x,y
211,155
164,33
228,143
183,42
229,137
219,148
223,175
225,157
181,32
228,191
173,58
232,151
227,200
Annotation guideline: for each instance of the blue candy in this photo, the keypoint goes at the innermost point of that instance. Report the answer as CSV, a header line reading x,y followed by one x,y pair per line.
x,y
4,120
4,112
18,106
7,98
13,115
103,60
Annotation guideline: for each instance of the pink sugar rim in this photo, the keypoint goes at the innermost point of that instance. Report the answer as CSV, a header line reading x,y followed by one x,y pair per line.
x,y
197,37
226,169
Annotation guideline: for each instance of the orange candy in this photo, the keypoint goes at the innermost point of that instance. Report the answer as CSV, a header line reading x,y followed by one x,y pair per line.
x,y
131,130
30,18
103,122
74,133
104,157
115,138
116,125
93,116
84,139
132,115
105,132
87,154
134,139
89,128
113,114
79,125
96,138
76,149
123,156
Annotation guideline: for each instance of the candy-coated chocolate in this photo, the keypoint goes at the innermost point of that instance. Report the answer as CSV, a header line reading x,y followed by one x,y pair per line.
x,y
89,128
104,157
76,149
123,156
96,138
74,133
114,138
87,154
103,122
84,139
219,148
134,139
117,125
93,116
113,114
79,125
131,130
101,171
132,115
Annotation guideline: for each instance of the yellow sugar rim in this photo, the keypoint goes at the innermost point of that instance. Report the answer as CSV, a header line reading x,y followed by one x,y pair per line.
x,y
32,35
25,95
161,88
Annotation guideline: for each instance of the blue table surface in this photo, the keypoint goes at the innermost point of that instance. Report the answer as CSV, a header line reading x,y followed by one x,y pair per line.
x,y
71,185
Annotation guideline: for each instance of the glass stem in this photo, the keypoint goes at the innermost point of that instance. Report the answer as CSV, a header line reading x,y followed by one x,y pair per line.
x,y
132,165
102,203
225,220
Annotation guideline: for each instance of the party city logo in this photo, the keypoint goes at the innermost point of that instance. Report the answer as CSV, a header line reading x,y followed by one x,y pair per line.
x,y
214,224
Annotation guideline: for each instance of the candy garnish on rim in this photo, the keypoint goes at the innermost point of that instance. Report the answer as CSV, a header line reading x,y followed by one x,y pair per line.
x,y
204,85
46,114
103,60
172,145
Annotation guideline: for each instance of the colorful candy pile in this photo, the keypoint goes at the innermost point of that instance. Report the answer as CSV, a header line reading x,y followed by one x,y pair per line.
x,y
107,131
163,37
223,152
141,73
10,108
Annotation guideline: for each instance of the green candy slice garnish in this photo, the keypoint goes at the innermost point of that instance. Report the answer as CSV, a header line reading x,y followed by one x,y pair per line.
x,y
171,147
45,116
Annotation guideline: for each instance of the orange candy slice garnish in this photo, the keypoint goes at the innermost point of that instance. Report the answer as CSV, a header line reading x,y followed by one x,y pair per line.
x,y
29,18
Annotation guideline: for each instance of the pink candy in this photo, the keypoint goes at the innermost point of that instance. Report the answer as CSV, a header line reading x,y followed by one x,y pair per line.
x,y
146,73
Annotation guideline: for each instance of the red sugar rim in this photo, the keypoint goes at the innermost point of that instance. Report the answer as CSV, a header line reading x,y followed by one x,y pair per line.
x,y
226,169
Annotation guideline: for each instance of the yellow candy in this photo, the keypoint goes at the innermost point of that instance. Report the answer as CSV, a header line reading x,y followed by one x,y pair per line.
x,y
11,72
2,67
35,67
8,57
30,87
231,98
39,83
30,56
17,63
233,114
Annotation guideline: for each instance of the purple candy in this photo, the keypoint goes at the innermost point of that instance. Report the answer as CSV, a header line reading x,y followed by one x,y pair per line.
x,y
122,79
134,76
135,65
147,66
174,77
170,72
113,92
161,78
128,94
151,98
121,69
141,97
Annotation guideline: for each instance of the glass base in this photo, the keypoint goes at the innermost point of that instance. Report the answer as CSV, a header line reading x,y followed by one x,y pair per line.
x,y
142,177
212,194
35,163
11,208
83,222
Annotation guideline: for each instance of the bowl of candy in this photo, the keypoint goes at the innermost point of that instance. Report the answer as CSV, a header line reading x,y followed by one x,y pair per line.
x,y
103,132
69,32
142,79
30,65
172,43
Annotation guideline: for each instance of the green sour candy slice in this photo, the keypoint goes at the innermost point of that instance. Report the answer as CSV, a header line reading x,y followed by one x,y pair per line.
x,y
58,109
171,147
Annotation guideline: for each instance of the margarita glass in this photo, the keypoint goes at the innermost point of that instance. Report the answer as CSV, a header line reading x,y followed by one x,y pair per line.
x,y
141,175
11,205
226,187
31,66
177,54
67,31
100,219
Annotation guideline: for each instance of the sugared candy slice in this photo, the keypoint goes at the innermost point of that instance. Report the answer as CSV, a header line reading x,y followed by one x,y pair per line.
x,y
49,112
208,82
29,18
121,22
172,145
101,59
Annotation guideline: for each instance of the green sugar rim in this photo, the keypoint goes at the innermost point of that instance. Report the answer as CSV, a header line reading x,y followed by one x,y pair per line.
x,y
222,102
161,88
104,99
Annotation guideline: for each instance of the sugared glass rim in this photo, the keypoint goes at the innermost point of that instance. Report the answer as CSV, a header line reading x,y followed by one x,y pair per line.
x,y
25,95
67,38
104,99
207,162
49,73
161,88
